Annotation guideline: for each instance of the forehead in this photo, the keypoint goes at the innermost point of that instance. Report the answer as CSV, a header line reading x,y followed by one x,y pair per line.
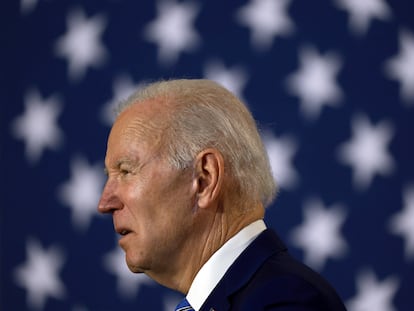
x,y
139,126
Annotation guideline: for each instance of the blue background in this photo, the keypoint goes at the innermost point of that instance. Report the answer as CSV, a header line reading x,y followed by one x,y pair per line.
x,y
30,204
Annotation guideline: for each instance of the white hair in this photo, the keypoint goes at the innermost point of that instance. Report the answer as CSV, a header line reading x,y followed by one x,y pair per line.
x,y
206,115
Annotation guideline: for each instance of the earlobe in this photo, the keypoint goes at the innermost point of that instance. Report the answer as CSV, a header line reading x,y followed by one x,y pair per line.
x,y
209,174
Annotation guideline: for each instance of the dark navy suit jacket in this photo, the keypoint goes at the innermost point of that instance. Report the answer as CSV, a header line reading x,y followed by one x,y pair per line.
x,y
266,277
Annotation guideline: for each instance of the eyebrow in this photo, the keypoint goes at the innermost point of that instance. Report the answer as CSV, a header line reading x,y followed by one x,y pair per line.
x,y
123,161
126,161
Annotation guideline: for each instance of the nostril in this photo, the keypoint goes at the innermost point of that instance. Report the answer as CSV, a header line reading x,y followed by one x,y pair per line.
x,y
109,203
102,208
109,200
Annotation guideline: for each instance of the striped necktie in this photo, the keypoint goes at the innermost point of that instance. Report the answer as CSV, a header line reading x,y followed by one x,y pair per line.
x,y
184,306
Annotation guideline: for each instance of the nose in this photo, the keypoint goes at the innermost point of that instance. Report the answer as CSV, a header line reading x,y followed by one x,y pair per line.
x,y
109,201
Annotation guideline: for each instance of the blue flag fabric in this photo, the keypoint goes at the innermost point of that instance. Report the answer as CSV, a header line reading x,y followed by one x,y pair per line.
x,y
331,84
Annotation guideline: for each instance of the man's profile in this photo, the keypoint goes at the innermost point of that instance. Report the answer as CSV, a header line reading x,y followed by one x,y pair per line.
x,y
188,184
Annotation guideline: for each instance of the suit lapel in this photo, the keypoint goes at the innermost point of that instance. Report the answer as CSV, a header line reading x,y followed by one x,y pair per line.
x,y
239,273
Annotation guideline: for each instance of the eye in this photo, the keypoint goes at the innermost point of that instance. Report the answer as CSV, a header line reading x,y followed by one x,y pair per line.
x,y
124,171
125,168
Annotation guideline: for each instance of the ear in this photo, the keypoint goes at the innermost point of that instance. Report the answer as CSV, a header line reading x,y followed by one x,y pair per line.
x,y
208,176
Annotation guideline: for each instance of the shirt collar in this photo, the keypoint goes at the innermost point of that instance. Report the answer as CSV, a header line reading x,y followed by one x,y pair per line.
x,y
214,269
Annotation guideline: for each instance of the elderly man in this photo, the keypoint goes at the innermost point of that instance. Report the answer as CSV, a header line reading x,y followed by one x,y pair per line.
x,y
188,183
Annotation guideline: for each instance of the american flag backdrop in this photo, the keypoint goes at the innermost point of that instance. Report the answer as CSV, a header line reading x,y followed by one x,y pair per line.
x,y
330,82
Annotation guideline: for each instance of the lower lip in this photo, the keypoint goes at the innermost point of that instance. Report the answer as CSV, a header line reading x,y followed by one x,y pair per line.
x,y
123,237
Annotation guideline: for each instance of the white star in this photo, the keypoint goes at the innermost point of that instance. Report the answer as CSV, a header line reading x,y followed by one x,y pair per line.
x,y
38,125
319,235
81,44
27,6
39,275
122,88
233,79
403,222
173,30
81,193
128,283
361,13
373,295
367,152
314,83
401,67
266,20
281,152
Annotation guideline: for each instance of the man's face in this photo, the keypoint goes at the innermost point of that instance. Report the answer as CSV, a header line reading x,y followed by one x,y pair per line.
x,y
150,202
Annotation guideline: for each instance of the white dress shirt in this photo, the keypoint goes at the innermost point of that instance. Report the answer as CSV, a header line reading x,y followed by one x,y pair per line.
x,y
215,268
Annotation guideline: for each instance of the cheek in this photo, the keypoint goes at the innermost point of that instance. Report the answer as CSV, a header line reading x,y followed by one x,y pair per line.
x,y
175,219
137,209
158,210
134,194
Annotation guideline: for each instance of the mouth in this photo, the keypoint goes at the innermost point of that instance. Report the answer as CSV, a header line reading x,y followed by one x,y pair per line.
x,y
123,231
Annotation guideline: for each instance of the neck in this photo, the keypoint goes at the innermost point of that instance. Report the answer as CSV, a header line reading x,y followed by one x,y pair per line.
x,y
207,237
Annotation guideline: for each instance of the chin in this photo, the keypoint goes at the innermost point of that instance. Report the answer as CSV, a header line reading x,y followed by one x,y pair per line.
x,y
134,266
